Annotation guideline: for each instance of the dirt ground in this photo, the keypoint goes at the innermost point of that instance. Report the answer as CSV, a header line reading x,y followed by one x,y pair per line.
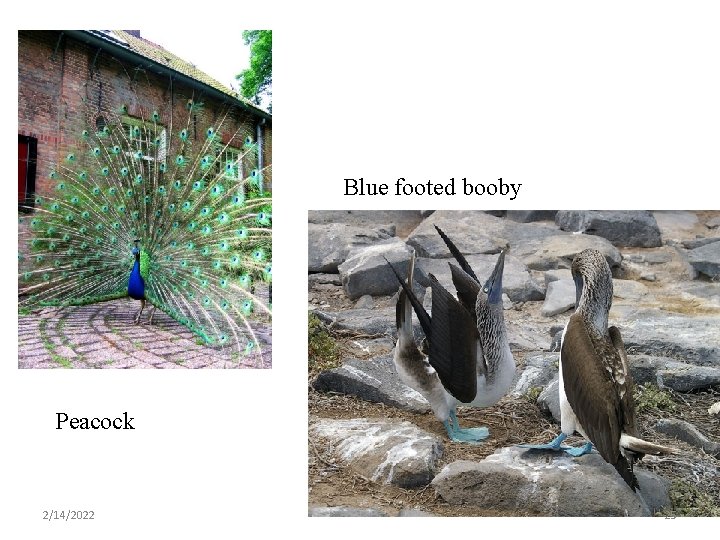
x,y
511,421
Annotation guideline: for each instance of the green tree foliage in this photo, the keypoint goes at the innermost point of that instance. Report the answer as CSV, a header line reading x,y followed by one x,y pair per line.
x,y
256,81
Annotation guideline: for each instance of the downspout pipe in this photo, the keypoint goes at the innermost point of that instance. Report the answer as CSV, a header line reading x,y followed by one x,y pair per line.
x,y
261,160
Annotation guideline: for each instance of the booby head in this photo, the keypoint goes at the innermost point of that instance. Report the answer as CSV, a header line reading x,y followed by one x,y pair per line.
x,y
491,292
492,331
593,287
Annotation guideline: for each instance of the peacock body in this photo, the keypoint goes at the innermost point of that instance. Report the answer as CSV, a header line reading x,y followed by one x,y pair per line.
x,y
162,210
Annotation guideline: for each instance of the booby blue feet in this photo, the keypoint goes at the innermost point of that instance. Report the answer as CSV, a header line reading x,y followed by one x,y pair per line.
x,y
556,445
552,445
467,435
579,451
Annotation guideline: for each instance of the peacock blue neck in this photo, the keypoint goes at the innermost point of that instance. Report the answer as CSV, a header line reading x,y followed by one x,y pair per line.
x,y
136,284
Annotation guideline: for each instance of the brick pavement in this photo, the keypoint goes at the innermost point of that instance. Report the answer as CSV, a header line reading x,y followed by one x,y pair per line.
x,y
103,336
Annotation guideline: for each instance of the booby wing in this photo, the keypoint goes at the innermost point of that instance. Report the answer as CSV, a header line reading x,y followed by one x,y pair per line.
x,y
624,380
454,344
452,335
588,367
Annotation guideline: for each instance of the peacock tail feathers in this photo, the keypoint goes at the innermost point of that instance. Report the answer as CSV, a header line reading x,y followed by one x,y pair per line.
x,y
195,202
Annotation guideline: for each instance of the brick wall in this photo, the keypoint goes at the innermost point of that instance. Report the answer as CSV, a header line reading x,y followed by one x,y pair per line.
x,y
64,85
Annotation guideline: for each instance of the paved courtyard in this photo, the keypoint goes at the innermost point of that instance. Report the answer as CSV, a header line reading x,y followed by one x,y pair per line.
x,y
103,336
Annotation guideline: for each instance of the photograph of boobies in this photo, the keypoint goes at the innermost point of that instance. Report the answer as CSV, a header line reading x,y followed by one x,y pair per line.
x,y
514,363
144,205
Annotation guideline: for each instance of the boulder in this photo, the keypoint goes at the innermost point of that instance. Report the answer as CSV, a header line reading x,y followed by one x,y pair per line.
x,y
620,227
383,451
330,243
366,270
374,380
706,259
559,250
540,483
559,298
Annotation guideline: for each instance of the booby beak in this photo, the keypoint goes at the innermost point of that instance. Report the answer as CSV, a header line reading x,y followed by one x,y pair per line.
x,y
493,286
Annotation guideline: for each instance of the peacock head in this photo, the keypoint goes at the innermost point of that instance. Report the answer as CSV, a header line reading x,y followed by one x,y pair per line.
x,y
136,249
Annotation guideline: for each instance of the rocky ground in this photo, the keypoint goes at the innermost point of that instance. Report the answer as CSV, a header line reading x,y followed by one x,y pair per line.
x,y
374,449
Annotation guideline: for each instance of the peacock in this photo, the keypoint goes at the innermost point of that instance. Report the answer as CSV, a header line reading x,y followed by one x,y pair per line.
x,y
154,206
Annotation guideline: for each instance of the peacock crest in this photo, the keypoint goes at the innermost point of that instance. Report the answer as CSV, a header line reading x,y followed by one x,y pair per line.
x,y
185,193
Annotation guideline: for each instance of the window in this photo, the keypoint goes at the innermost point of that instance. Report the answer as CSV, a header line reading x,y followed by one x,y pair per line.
x,y
144,141
230,162
27,165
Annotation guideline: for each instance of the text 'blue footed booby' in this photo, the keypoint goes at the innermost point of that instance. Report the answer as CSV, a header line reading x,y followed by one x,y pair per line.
x,y
469,359
595,383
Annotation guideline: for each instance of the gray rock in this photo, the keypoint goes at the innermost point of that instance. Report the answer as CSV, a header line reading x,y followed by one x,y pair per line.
x,y
344,511
559,297
713,223
365,302
695,339
670,373
540,369
648,256
373,380
384,451
558,274
527,216
559,250
675,225
687,432
324,279
330,243
414,512
518,284
622,228
698,242
549,400
540,483
377,321
365,271
706,259
703,291
654,489
476,232
556,340
402,221
627,289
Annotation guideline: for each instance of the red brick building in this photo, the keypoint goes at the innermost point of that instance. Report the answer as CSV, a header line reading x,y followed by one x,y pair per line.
x,y
68,80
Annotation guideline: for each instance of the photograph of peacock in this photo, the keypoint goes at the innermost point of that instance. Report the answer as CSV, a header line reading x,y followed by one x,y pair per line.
x,y
155,206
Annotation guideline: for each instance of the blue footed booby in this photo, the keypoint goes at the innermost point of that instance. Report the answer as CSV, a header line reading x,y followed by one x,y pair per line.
x,y
595,383
469,359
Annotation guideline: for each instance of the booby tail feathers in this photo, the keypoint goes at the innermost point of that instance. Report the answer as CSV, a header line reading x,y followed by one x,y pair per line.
x,y
467,289
624,467
408,294
456,253
403,308
639,446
